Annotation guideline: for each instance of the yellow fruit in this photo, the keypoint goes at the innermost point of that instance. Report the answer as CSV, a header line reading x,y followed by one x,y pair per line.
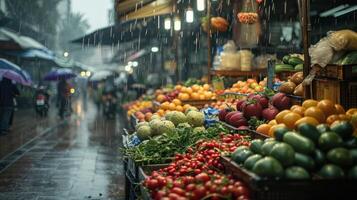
x,y
206,87
195,96
273,122
316,113
309,103
298,109
165,105
264,129
178,87
279,117
179,108
308,120
290,119
327,106
195,88
176,102
172,106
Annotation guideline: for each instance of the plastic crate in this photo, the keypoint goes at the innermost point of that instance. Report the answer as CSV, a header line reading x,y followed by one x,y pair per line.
x,y
144,171
283,189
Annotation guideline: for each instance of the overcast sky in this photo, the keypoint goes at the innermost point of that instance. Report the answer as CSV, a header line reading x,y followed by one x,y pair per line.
x,y
95,11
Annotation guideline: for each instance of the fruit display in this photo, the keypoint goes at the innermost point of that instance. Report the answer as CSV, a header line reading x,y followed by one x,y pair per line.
x,y
328,151
252,111
139,108
290,63
158,126
195,92
247,87
198,173
293,85
311,111
174,105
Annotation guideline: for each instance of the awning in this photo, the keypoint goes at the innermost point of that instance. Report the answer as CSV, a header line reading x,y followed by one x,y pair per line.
x,y
125,32
126,6
8,35
156,8
32,54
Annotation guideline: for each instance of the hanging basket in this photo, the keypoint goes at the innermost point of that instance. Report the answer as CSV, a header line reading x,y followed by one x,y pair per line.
x,y
248,14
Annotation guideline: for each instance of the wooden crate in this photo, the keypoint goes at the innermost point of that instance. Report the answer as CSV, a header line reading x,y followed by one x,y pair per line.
x,y
198,103
338,91
340,72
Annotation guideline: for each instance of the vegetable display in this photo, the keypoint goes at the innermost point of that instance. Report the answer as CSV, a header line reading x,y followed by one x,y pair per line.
x,y
198,174
329,152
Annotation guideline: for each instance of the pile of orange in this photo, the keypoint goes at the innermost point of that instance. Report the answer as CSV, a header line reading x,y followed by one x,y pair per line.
x,y
311,111
195,92
137,106
174,105
245,87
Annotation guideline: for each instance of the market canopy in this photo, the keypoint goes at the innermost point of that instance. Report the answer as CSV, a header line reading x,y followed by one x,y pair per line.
x,y
124,32
155,8
32,53
23,42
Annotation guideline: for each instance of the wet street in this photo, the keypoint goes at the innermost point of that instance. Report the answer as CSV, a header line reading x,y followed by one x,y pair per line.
x,y
50,159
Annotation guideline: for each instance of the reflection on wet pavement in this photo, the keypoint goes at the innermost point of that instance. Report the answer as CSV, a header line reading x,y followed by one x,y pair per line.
x,y
77,160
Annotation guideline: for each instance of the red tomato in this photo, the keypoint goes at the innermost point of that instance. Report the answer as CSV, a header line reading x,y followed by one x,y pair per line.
x,y
178,191
152,184
202,177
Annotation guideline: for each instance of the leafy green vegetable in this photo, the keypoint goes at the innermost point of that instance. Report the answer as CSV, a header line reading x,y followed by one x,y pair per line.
x,y
162,147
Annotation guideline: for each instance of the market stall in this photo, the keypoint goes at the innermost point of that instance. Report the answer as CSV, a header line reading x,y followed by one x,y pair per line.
x,y
266,135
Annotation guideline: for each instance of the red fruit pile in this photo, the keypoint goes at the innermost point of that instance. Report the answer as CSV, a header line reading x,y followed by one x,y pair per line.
x,y
256,105
197,174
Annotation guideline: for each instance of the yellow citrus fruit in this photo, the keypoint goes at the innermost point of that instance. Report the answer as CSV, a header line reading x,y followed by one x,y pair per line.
x,y
179,108
327,106
172,106
298,109
279,117
316,113
165,105
176,102
339,109
206,87
290,119
264,129
273,122
308,120
309,103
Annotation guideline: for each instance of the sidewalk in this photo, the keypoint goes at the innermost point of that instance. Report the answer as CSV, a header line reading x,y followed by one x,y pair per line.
x,y
26,126
74,161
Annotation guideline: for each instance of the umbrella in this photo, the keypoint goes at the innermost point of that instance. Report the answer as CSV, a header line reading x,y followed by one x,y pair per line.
x,y
97,76
7,65
12,75
57,74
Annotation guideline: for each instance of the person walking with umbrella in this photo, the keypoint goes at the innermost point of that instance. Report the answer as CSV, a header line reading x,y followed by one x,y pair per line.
x,y
63,87
63,92
8,91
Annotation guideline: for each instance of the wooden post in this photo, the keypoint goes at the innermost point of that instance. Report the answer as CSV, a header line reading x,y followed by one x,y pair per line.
x,y
306,29
209,42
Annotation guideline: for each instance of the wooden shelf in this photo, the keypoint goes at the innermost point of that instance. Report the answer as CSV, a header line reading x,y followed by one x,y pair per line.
x,y
234,73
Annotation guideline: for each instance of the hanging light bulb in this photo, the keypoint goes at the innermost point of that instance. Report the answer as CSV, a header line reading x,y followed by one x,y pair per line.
x,y
189,15
200,5
177,24
167,23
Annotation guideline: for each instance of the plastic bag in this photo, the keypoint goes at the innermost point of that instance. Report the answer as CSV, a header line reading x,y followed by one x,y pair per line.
x,y
321,53
230,47
342,40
